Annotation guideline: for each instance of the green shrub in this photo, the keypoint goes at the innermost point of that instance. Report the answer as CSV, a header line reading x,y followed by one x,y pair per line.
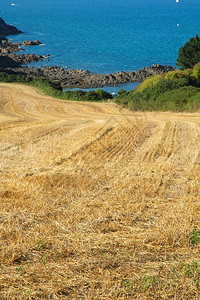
x,y
196,73
149,82
176,74
167,85
92,95
121,92
102,94
13,78
178,99
148,98
145,100
123,97
194,103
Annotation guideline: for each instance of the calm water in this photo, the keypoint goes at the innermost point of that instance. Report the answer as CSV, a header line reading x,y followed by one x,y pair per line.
x,y
105,35
113,89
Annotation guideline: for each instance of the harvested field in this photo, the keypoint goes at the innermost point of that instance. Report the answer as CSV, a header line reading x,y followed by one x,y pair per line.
x,y
97,202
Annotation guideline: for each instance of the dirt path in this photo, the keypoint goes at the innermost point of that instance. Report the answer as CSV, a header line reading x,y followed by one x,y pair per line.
x,y
98,173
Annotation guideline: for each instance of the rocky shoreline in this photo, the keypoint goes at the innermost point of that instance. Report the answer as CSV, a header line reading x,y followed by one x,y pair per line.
x,y
84,79
11,62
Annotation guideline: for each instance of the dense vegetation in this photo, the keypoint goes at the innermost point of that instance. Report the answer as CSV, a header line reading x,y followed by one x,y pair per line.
x,y
189,54
54,89
175,91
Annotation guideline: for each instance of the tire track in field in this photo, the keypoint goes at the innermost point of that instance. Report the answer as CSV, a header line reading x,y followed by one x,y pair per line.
x,y
150,147
90,135
174,148
124,142
164,144
154,155
183,160
167,146
114,142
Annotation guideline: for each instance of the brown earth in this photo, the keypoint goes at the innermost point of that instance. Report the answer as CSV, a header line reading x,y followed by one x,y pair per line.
x,y
96,202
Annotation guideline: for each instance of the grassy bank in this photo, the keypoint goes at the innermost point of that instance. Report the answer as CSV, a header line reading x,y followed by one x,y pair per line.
x,y
174,91
53,89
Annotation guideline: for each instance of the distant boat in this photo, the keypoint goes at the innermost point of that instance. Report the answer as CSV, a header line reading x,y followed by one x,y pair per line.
x,y
13,4
177,0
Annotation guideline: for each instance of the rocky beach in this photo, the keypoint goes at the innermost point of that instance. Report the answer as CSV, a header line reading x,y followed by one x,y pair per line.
x,y
12,62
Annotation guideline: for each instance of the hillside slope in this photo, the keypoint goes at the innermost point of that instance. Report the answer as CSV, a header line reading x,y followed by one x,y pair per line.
x,y
96,202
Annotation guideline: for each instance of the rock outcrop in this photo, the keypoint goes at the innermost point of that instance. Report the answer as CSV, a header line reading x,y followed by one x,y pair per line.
x,y
6,29
7,47
7,63
25,58
31,43
13,60
85,79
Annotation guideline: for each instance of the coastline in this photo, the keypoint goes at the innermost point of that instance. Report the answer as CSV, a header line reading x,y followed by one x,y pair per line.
x,y
13,63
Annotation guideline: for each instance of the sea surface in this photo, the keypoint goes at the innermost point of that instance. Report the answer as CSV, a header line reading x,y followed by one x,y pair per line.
x,y
104,36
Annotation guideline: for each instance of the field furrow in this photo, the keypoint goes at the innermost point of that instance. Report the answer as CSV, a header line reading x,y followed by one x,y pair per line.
x,y
97,202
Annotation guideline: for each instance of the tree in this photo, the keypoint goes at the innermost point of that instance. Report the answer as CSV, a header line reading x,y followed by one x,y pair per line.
x,y
189,54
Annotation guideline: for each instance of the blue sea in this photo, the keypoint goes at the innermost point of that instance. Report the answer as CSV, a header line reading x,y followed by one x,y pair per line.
x,y
104,36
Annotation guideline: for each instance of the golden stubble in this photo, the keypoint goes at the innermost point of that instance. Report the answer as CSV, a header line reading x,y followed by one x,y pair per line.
x,y
96,202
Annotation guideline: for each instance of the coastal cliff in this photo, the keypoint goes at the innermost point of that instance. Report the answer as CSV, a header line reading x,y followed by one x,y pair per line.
x,y
6,29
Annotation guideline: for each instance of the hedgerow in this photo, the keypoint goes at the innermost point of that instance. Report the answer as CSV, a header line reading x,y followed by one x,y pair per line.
x,y
54,89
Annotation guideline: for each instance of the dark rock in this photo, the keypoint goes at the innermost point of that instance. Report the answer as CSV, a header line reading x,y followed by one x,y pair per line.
x,y
31,43
85,79
8,29
25,58
16,60
6,47
3,38
7,62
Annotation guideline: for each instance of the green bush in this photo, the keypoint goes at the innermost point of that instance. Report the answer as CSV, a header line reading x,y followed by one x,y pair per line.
x,y
178,100
179,74
148,98
123,97
192,75
149,82
196,73
163,86
102,94
194,103
121,92
14,78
